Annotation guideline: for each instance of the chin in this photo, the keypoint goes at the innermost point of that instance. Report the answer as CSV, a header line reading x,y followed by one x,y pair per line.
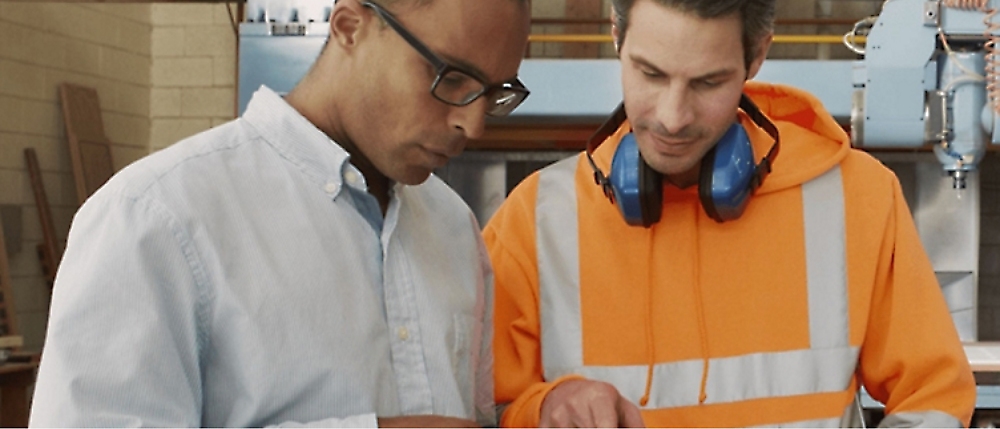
x,y
414,178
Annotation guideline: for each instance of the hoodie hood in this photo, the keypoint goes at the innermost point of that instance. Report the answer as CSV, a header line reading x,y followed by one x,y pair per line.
x,y
811,140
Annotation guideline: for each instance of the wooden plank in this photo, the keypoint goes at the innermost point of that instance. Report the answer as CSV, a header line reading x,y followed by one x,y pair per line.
x,y
49,250
89,148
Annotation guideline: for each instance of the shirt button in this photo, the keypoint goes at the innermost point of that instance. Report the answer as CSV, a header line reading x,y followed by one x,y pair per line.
x,y
330,187
403,333
351,177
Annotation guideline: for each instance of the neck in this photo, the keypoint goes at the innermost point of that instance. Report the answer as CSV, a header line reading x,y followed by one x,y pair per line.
x,y
684,180
319,106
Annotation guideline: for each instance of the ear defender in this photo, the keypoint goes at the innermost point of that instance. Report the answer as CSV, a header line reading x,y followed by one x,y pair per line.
x,y
727,178
724,179
637,189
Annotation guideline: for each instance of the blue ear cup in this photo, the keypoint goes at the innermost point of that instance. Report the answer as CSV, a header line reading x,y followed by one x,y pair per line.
x,y
637,189
727,171
727,179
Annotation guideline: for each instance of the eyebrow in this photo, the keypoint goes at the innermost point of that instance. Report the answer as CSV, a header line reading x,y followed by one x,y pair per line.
x,y
707,76
468,67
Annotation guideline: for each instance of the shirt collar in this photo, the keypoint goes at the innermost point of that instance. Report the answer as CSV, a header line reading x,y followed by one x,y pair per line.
x,y
300,142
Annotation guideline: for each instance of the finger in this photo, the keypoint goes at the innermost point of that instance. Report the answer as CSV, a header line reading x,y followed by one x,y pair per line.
x,y
603,414
629,415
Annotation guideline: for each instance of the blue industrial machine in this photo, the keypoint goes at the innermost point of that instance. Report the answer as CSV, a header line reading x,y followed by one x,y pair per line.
x,y
929,77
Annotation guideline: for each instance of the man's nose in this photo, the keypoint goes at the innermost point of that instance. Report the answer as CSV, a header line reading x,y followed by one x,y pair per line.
x,y
675,110
470,119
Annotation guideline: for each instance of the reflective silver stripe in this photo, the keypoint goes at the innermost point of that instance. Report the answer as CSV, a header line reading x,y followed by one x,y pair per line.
x,y
559,267
851,418
827,366
826,260
832,422
676,384
926,419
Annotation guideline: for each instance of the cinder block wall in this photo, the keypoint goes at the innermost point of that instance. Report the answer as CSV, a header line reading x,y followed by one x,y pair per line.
x,y
41,46
194,70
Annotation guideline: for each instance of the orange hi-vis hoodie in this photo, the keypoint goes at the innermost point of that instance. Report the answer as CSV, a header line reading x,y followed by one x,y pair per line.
x,y
821,287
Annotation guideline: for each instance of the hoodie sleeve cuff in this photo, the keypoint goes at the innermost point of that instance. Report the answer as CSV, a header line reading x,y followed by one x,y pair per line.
x,y
526,411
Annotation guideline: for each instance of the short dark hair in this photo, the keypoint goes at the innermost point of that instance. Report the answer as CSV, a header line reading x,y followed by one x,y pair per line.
x,y
757,17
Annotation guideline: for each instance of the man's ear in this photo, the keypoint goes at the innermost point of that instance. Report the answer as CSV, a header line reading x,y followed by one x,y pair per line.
x,y
760,55
346,22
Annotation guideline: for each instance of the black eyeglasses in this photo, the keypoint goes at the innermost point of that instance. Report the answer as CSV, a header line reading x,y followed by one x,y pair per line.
x,y
453,85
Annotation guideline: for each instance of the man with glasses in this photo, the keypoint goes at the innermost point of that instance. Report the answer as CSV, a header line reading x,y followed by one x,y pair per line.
x,y
299,265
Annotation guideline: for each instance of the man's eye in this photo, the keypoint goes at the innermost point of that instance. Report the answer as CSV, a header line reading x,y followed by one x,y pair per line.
x,y
708,84
650,72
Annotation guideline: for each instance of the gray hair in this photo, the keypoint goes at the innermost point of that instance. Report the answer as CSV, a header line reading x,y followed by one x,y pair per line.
x,y
757,17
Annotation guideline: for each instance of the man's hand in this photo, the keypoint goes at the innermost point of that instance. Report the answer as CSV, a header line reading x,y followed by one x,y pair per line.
x,y
588,404
426,421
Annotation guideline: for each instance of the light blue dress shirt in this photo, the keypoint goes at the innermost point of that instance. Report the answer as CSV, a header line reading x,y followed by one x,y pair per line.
x,y
244,277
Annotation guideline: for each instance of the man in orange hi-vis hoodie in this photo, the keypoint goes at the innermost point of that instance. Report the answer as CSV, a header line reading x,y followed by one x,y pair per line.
x,y
731,283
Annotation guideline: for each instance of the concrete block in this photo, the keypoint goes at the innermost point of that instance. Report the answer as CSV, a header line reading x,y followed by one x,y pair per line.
x,y
25,263
42,118
25,13
52,152
13,182
207,102
83,57
102,29
65,19
53,78
220,121
13,36
224,17
134,99
124,66
165,102
30,294
62,215
11,150
12,225
184,14
127,130
182,72
93,26
56,190
11,114
213,41
548,9
123,156
137,12
166,132
224,71
47,49
32,325
22,80
135,37
167,42
107,93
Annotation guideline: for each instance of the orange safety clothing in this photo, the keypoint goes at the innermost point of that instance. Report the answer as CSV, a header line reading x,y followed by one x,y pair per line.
x,y
777,318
